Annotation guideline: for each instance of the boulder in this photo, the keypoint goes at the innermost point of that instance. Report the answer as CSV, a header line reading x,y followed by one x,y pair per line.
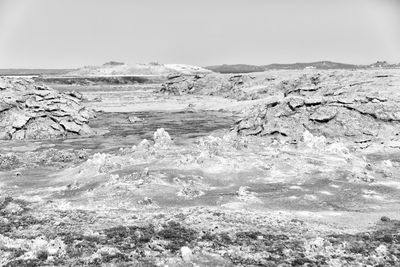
x,y
32,111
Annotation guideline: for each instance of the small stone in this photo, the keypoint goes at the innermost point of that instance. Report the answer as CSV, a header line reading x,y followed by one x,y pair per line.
x,y
186,254
13,208
134,119
385,219
145,201
296,102
162,138
324,114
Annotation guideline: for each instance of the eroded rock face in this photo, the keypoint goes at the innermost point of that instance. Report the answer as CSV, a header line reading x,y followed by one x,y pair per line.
x,y
229,86
31,111
339,109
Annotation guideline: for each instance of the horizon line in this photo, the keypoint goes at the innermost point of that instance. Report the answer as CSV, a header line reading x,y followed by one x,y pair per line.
x,y
220,64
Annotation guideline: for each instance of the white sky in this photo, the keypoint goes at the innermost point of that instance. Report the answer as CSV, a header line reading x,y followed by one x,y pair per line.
x,y
72,33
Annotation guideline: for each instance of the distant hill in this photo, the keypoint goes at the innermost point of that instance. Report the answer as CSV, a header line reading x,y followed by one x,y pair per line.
x,y
33,72
237,68
243,68
383,64
323,65
122,69
119,68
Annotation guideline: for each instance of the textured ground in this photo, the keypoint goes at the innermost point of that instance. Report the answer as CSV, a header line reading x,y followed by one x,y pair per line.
x,y
203,197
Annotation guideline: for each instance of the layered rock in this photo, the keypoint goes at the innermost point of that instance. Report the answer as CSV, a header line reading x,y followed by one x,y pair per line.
x,y
230,86
338,108
32,111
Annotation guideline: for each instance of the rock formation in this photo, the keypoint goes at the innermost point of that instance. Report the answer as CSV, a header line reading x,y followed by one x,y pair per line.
x,y
31,111
339,108
229,86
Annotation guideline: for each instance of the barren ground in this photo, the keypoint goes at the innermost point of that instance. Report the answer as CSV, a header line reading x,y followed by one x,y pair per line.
x,y
208,198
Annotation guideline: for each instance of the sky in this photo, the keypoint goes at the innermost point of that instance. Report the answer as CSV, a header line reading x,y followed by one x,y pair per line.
x,y
74,33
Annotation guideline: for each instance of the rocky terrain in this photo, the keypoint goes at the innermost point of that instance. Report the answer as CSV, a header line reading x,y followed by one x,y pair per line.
x,y
344,108
280,168
31,111
239,86
116,73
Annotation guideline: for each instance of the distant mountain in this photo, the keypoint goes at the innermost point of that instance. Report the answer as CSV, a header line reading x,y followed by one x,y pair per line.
x,y
237,68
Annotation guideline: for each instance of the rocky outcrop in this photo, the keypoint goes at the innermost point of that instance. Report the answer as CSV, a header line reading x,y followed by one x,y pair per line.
x,y
229,86
31,111
338,108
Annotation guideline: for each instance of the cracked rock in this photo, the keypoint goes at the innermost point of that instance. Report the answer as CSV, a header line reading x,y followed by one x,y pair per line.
x,y
31,111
